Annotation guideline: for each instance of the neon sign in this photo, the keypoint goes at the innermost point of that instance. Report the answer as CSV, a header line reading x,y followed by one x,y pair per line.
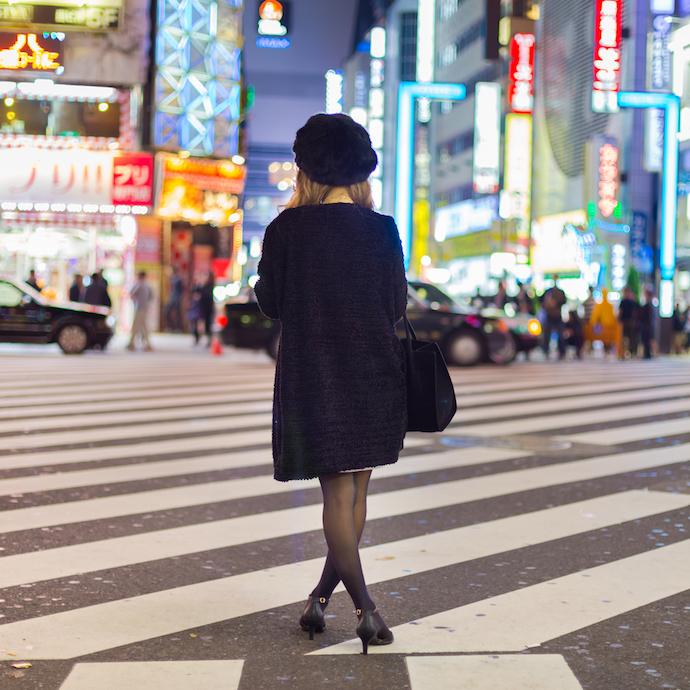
x,y
518,172
487,137
607,56
521,89
608,173
25,52
273,18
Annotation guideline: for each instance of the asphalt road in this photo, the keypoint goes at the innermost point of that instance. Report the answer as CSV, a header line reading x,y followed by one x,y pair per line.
x,y
540,543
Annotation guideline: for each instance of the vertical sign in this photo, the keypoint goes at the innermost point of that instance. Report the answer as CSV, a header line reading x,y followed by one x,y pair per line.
x,y
521,89
487,137
608,179
658,54
607,56
601,181
518,172
654,139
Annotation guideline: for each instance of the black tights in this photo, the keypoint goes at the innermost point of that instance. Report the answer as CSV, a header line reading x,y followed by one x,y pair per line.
x,y
344,515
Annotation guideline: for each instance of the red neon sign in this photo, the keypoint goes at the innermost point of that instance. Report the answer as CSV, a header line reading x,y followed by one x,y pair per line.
x,y
608,174
521,89
607,55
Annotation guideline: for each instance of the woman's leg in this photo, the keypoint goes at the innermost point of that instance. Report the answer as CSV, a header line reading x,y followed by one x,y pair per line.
x,y
330,578
339,499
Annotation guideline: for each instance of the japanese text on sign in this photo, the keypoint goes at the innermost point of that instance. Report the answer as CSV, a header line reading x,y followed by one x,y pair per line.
x,y
521,90
608,174
133,179
607,56
26,53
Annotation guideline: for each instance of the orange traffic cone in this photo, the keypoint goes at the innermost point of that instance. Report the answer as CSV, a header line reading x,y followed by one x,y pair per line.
x,y
216,347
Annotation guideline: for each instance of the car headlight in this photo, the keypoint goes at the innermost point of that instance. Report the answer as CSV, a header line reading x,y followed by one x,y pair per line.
x,y
110,321
534,327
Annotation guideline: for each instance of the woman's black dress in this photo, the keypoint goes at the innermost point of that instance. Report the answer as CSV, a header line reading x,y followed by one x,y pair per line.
x,y
334,276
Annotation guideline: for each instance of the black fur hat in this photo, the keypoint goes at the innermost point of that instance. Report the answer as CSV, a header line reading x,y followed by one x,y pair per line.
x,y
334,150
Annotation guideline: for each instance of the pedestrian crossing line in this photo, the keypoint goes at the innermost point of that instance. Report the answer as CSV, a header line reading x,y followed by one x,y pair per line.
x,y
525,409
496,672
138,417
528,425
117,552
557,393
49,396
414,499
137,449
179,427
228,490
198,425
253,458
126,401
81,631
628,434
156,675
532,616
143,449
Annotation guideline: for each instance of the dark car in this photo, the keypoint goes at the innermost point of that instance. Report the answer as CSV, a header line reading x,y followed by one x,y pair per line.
x,y
465,338
26,316
524,328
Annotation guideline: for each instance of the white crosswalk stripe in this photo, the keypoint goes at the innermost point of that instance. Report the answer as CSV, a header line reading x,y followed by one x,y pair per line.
x,y
138,428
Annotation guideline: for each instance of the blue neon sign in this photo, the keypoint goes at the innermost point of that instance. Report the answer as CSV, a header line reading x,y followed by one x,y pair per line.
x,y
669,202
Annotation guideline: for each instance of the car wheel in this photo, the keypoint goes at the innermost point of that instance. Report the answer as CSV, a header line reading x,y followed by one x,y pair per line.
x,y
273,345
72,339
464,349
506,352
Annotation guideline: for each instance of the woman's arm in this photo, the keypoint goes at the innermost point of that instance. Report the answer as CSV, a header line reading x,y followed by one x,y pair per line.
x,y
266,289
399,278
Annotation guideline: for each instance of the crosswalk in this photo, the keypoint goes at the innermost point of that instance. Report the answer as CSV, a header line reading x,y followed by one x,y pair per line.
x,y
144,542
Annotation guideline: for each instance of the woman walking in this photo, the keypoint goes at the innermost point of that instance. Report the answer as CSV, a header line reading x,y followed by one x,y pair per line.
x,y
332,271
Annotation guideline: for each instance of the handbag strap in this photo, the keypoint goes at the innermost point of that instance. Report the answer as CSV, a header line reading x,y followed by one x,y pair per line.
x,y
409,336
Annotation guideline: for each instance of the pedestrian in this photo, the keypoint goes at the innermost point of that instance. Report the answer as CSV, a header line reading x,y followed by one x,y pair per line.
x,y
679,335
340,393
523,300
207,307
573,332
646,319
32,280
588,306
628,316
97,292
500,299
77,291
553,301
194,312
174,307
141,295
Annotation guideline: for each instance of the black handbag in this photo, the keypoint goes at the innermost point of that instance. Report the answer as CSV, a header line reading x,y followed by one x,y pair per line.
x,y
431,400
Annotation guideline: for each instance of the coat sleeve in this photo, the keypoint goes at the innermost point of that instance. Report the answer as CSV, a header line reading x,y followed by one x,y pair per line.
x,y
399,278
267,289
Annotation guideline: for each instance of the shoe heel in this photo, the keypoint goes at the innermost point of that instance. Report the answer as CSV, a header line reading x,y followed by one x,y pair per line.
x,y
312,630
366,629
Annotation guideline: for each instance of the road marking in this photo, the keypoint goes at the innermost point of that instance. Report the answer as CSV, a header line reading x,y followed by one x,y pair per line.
x,y
107,419
139,548
415,499
137,431
534,615
253,458
231,489
560,421
512,672
81,631
155,675
628,434
525,409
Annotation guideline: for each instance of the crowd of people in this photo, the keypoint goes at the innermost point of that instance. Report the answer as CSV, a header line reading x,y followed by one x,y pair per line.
x,y
587,321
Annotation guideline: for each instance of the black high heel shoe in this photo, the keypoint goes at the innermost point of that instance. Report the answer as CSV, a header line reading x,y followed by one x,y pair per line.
x,y
369,633
313,619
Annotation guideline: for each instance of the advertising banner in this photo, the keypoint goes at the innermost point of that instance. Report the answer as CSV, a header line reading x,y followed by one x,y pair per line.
x,y
92,15
518,172
487,137
53,180
607,55
465,217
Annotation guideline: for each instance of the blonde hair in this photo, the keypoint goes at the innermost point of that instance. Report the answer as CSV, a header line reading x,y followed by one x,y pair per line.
x,y
310,193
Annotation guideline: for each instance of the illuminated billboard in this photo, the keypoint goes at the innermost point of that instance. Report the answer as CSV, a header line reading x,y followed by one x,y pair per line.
x,y
94,15
607,56
487,137
273,24
521,74
518,173
29,51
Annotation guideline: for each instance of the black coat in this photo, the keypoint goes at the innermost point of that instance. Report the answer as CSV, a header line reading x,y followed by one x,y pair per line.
x,y
334,276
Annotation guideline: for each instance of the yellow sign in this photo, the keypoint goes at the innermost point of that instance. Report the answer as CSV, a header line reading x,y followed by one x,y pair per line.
x,y
15,57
